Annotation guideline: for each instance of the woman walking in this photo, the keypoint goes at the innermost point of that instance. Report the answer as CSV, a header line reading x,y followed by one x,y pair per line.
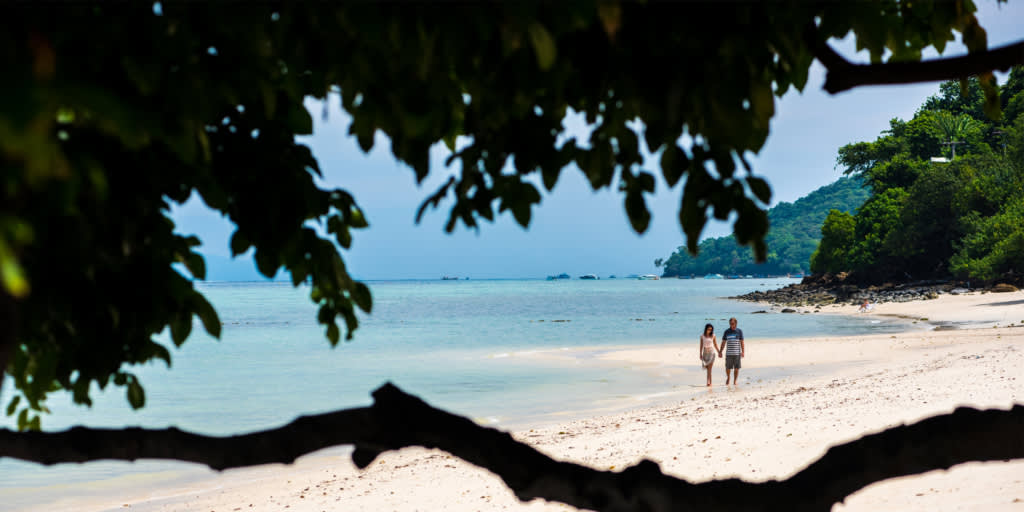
x,y
707,347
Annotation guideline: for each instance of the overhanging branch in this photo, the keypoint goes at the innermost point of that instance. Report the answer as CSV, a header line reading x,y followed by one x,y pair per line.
x,y
843,75
398,420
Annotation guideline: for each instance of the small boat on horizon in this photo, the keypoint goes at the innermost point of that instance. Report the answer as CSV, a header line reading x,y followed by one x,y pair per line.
x,y
714,276
589,276
648,277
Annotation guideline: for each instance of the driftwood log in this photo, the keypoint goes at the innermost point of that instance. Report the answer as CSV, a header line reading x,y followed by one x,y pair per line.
x,y
397,420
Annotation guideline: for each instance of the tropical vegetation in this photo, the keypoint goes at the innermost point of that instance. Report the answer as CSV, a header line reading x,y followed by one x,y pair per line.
x,y
112,112
947,193
793,237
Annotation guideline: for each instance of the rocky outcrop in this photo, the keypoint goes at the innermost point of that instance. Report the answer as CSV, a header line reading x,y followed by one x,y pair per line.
x,y
827,289
824,289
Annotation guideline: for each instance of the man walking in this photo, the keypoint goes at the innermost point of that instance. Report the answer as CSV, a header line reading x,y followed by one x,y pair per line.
x,y
734,351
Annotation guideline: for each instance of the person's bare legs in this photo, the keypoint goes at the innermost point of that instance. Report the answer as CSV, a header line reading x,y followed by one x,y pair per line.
x,y
726,375
735,376
709,374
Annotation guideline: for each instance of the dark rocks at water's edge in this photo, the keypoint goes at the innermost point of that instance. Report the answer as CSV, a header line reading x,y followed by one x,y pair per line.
x,y
1003,287
825,289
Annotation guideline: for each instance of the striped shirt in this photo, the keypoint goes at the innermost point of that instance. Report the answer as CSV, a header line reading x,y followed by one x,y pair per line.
x,y
732,339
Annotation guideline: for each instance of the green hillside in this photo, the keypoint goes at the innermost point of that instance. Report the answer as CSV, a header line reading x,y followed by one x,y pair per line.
x,y
794,235
948,193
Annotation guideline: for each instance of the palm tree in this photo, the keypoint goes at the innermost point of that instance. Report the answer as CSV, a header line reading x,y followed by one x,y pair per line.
x,y
952,128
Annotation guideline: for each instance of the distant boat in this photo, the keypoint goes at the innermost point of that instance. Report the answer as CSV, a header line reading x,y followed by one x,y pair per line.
x,y
611,276
648,277
714,276
563,275
449,278
589,276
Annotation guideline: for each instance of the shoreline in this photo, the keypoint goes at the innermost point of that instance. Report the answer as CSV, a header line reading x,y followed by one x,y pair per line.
x,y
840,387
979,309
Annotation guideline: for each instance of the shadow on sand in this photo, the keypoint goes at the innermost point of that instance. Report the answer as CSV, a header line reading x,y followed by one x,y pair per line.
x,y
1004,303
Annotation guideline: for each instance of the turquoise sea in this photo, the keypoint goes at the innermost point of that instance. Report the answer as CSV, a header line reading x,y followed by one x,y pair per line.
x,y
466,346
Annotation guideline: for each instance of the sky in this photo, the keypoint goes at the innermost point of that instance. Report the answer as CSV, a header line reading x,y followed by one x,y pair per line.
x,y
574,230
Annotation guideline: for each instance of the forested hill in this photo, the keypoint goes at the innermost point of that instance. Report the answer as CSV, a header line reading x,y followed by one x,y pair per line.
x,y
794,235
947,193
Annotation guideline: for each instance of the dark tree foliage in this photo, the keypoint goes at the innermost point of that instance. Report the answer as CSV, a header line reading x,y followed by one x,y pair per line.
x,y
112,112
836,239
103,129
795,231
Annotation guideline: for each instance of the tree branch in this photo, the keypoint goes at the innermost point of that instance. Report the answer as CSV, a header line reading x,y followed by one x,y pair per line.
x,y
844,75
397,420
939,442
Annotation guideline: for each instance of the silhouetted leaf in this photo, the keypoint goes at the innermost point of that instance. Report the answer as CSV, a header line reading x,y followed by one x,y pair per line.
x,y
161,353
196,266
636,210
673,164
12,276
239,243
760,189
206,314
357,220
181,327
992,105
136,395
13,405
543,45
333,334
361,295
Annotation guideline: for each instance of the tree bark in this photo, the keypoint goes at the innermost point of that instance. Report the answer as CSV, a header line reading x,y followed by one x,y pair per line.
x,y
398,420
843,75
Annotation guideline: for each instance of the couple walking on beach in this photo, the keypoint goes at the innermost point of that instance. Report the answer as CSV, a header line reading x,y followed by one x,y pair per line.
x,y
732,343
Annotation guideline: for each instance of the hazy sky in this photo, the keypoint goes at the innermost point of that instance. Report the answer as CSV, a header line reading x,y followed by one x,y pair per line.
x,y
574,230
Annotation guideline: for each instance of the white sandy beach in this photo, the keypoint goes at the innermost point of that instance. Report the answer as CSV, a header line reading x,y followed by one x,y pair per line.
x,y
842,388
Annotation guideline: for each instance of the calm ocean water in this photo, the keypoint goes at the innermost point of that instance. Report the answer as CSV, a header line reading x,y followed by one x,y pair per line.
x,y
466,346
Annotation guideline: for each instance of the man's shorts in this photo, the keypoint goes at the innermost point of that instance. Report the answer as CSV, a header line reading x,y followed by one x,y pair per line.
x,y
732,362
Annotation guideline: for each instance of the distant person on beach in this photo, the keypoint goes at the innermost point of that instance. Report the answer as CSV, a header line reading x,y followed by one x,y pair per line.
x,y
732,341
866,306
707,345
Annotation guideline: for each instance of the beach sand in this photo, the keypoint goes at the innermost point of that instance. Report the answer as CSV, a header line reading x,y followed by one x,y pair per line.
x,y
839,388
